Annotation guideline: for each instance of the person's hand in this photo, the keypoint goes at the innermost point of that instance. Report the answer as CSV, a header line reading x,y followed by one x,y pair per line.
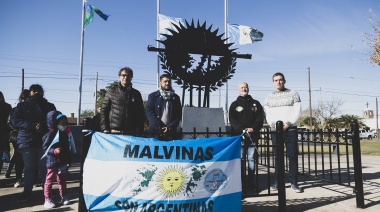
x,y
57,151
164,129
250,130
286,127
106,131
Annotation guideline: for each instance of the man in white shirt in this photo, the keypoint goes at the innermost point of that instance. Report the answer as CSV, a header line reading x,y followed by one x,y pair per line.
x,y
285,105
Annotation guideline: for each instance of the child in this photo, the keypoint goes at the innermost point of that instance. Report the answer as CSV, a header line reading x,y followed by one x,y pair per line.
x,y
58,145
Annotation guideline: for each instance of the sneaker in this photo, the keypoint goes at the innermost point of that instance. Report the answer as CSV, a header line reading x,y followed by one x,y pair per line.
x,y
24,197
274,187
18,183
65,201
49,203
296,189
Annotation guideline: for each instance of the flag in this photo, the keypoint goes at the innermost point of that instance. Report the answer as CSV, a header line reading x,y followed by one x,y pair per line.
x,y
166,22
89,14
241,35
144,174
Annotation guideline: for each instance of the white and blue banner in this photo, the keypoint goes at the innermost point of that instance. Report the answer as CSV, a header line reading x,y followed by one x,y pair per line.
x,y
126,173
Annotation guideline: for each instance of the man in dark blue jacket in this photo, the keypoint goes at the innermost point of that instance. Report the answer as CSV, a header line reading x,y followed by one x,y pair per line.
x,y
29,118
164,111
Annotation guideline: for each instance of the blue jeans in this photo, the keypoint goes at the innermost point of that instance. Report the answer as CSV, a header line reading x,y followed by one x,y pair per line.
x,y
251,165
32,158
291,143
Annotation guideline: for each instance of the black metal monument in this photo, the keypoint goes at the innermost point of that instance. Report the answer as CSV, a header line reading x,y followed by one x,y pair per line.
x,y
213,67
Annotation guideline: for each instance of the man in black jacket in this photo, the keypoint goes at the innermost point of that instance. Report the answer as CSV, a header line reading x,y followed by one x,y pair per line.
x,y
246,114
123,109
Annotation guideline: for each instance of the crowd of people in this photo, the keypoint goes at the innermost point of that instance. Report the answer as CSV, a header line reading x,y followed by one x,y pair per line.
x,y
43,144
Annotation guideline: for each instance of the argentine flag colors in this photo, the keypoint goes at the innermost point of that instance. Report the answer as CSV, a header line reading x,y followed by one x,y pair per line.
x,y
126,173
241,35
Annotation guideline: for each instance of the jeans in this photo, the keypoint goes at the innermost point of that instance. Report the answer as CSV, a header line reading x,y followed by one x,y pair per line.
x,y
52,175
32,157
291,143
250,151
16,161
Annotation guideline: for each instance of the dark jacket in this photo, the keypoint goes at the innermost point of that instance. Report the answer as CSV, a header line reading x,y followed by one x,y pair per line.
x,y
122,110
154,113
246,112
14,131
5,109
33,110
64,157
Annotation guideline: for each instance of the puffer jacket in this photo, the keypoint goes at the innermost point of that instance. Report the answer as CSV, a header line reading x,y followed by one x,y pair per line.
x,y
122,110
65,142
32,110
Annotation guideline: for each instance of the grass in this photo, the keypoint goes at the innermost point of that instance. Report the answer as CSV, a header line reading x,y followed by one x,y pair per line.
x,y
370,147
367,147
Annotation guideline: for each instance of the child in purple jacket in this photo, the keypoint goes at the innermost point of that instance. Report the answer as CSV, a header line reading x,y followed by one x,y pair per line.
x,y
58,146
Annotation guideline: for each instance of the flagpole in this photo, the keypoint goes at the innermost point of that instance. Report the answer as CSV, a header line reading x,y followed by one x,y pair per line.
x,y
226,36
81,64
158,44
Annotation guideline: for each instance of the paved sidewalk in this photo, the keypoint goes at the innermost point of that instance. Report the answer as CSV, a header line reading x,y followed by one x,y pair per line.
x,y
318,196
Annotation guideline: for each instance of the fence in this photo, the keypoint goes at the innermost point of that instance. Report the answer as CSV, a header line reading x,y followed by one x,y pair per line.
x,y
327,156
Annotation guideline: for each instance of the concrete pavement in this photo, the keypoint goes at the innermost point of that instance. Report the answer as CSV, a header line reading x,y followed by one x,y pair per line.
x,y
317,196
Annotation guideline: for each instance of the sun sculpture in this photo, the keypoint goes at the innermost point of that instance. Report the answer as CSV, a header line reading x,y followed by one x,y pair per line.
x,y
197,58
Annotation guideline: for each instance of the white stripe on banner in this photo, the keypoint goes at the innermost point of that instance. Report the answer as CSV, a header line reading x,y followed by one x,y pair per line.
x,y
132,179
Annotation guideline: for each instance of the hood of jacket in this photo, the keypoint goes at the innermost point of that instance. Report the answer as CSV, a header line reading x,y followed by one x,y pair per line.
x,y
51,119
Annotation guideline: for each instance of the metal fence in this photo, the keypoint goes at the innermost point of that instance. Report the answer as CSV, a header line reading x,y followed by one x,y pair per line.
x,y
332,156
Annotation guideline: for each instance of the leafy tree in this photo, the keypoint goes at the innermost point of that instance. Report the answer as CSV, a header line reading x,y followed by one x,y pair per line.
x,y
87,113
346,120
373,39
323,114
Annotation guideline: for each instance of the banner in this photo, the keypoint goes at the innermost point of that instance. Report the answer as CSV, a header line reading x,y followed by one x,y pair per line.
x,y
126,173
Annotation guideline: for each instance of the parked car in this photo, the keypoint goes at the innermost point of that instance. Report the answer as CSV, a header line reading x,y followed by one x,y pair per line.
x,y
366,134
374,133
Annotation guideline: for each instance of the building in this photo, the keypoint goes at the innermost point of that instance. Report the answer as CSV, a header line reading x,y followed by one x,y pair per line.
x,y
369,118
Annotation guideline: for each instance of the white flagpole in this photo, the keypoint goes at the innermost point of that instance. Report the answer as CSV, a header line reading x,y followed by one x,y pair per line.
x,y
81,65
158,44
226,36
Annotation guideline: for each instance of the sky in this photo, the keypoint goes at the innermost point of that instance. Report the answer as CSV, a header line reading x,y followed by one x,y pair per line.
x,y
43,37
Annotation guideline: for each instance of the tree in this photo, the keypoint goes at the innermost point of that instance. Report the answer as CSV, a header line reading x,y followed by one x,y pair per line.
x,y
373,39
346,120
87,113
323,114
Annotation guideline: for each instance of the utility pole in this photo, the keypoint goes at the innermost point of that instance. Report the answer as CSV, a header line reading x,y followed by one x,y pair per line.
x,y
377,120
310,113
96,92
22,80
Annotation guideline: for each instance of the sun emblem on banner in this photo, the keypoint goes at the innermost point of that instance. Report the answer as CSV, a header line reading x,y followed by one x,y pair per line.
x,y
171,181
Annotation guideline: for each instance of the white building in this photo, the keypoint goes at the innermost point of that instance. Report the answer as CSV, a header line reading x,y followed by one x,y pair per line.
x,y
369,118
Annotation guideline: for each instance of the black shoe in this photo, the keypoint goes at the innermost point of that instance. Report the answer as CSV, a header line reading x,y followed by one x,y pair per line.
x,y
274,187
24,197
296,188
